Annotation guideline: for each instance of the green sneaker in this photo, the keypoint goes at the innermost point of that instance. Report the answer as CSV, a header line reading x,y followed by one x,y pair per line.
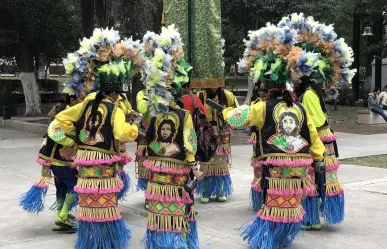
x,y
204,200
221,199
316,227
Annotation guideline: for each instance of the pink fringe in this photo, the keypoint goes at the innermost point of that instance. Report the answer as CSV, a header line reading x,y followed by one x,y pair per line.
x,y
83,190
338,192
288,163
43,162
112,160
256,187
280,219
155,168
251,141
226,153
39,185
333,167
256,164
328,139
285,191
88,219
156,197
125,160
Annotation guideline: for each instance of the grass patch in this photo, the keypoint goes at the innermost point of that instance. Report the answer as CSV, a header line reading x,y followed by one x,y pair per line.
x,y
379,161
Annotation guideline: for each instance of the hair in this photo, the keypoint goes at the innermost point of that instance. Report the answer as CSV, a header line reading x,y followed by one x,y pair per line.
x,y
221,97
173,130
286,96
69,98
292,115
376,90
94,112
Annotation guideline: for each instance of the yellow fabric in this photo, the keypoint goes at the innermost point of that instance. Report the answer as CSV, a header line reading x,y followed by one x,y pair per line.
x,y
142,102
188,124
121,130
124,104
311,102
212,114
257,117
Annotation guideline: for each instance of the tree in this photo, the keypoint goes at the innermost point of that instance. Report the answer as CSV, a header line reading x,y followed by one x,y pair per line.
x,y
36,29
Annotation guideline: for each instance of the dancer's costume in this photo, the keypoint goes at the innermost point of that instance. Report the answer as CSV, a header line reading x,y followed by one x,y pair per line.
x,y
141,152
217,181
256,190
55,160
124,104
171,146
276,55
105,65
331,202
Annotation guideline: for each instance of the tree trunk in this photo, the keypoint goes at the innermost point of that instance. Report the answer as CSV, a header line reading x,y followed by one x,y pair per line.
x,y
103,10
28,80
87,7
250,90
41,62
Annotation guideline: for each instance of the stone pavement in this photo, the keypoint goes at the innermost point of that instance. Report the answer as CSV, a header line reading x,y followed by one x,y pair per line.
x,y
366,190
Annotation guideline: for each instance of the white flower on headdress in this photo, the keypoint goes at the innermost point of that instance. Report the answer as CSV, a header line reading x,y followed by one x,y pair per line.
x,y
97,35
243,66
296,17
346,52
312,22
111,36
71,62
86,46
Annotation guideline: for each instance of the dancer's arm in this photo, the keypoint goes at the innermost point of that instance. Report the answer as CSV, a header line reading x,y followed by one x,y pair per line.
x,y
190,139
253,115
317,148
311,102
122,130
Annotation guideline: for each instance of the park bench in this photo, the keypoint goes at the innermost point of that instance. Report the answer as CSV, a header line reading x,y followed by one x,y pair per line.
x,y
368,117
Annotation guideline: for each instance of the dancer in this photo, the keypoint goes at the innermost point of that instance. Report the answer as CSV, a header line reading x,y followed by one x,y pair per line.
x,y
56,159
105,65
290,143
329,194
171,146
217,181
141,152
260,94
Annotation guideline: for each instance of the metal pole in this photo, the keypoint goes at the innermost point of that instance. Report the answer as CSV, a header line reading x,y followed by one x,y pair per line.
x,y
378,60
356,49
190,38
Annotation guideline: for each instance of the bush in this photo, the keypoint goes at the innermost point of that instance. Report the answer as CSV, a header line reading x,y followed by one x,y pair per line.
x,y
346,96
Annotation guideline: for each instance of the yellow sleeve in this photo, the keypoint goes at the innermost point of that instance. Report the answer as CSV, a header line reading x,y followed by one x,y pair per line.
x,y
253,115
317,148
67,117
142,102
231,100
125,105
123,131
55,132
312,105
189,138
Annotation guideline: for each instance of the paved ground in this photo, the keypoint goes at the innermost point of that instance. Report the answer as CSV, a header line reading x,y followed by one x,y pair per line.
x,y
366,190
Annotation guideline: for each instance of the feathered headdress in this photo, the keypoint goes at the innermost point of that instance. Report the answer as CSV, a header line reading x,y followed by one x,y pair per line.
x,y
103,62
165,69
296,47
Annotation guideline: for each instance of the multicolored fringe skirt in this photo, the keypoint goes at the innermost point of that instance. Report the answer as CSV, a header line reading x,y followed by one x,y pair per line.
x,y
141,172
33,201
217,181
100,224
256,189
332,203
171,216
279,219
124,176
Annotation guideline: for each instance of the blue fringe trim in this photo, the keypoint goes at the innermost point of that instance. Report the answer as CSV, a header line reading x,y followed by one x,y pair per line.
x,y
164,240
333,212
312,212
262,234
33,200
125,178
256,199
217,186
103,235
142,184
192,236
73,205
